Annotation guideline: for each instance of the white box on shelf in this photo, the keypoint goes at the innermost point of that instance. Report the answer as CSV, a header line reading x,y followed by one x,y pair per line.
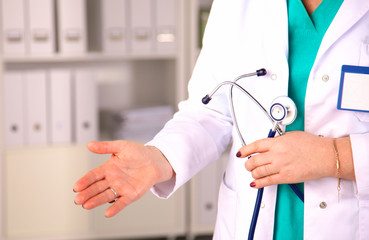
x,y
141,26
13,32
165,26
85,106
13,109
35,107
114,26
72,28
41,27
60,107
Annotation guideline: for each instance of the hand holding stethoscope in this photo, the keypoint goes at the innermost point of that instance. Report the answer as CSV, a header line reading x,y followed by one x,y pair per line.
x,y
282,111
292,158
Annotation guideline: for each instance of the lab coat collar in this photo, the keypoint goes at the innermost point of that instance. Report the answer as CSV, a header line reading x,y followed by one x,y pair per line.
x,y
343,22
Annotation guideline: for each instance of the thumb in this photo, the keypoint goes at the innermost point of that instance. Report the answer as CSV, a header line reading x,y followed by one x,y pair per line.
x,y
105,147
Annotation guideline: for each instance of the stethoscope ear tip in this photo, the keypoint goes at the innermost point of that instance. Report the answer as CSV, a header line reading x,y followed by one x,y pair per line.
x,y
205,100
261,72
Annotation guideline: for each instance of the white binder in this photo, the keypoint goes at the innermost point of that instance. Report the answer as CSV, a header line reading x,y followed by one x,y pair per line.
x,y
85,106
13,109
72,33
165,26
60,106
114,26
35,107
41,29
13,21
141,26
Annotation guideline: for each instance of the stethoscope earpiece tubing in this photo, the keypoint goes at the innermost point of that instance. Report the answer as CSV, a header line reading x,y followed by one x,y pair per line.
x,y
276,128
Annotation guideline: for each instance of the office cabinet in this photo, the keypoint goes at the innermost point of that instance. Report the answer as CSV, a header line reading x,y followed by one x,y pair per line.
x,y
54,87
204,197
204,187
141,62
40,205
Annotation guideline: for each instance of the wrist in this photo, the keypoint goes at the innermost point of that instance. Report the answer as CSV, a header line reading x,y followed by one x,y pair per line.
x,y
164,169
328,154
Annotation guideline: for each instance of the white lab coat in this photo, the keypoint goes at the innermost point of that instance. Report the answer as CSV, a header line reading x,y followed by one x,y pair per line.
x,y
245,35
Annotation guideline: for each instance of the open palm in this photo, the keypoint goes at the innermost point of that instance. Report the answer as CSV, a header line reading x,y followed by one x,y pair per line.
x,y
131,171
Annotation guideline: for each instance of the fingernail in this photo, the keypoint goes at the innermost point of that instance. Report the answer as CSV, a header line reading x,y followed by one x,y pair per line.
x,y
253,184
238,154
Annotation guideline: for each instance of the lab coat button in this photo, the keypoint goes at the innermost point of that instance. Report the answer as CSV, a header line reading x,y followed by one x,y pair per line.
x,y
323,205
325,78
273,76
262,205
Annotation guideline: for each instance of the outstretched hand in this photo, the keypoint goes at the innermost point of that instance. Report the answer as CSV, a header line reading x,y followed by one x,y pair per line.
x,y
131,171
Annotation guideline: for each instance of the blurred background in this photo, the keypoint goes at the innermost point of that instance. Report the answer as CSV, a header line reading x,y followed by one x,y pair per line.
x,y
72,71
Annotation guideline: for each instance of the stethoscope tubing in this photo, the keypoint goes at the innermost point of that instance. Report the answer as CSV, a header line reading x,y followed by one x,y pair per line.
x,y
276,128
259,197
271,134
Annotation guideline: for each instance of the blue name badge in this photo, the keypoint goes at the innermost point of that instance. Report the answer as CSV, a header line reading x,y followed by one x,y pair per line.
x,y
354,89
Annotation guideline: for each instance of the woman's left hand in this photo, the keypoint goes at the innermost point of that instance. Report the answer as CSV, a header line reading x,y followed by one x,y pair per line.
x,y
292,158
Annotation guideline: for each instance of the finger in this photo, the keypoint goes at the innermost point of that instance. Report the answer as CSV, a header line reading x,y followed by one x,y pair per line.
x,y
266,181
106,147
89,178
263,171
257,161
91,191
100,199
258,146
118,205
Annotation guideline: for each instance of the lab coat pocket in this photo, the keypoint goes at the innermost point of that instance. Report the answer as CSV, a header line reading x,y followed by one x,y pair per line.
x,y
364,61
362,116
226,218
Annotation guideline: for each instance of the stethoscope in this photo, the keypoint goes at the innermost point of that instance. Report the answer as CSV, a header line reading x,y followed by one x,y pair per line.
x,y
282,112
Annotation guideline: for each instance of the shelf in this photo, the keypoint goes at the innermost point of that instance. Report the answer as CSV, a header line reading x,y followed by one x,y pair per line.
x,y
89,57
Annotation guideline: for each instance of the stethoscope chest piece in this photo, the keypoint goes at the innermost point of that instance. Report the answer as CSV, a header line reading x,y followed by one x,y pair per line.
x,y
283,110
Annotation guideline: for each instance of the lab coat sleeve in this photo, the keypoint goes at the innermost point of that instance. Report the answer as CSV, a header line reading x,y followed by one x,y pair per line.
x,y
191,140
198,133
360,152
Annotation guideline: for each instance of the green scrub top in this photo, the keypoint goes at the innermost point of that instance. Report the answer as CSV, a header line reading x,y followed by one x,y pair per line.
x,y
305,34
